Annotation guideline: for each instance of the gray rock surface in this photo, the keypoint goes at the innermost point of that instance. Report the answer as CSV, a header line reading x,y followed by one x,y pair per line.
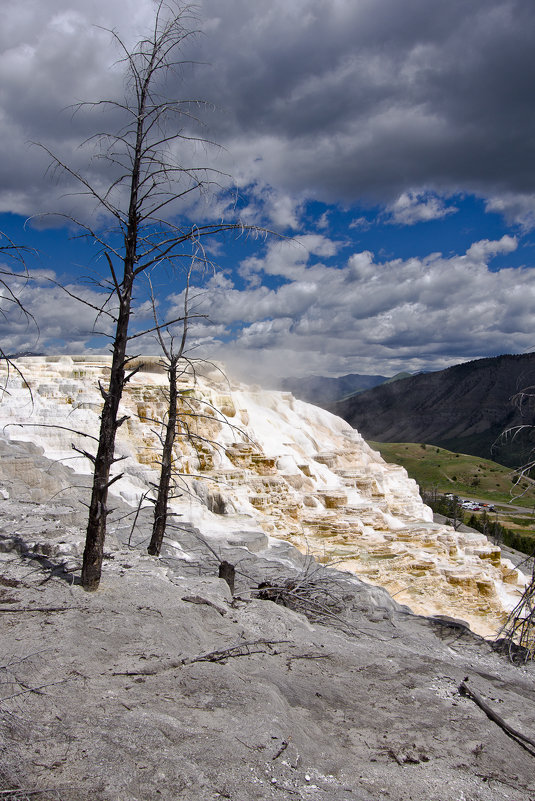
x,y
161,685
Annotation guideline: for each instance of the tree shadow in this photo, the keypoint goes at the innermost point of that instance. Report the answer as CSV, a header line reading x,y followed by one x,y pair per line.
x,y
52,566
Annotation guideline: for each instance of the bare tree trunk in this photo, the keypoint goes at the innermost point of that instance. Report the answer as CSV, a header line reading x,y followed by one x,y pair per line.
x,y
228,572
105,457
109,422
160,509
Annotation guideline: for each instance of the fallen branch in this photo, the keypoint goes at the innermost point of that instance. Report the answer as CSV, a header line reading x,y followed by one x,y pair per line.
x,y
36,689
18,660
464,689
291,657
40,609
318,598
198,599
19,793
242,649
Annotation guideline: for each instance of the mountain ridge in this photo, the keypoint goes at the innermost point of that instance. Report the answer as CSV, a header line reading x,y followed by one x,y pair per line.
x,y
463,408
320,390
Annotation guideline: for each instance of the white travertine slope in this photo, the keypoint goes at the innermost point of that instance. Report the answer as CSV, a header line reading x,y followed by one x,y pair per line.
x,y
262,461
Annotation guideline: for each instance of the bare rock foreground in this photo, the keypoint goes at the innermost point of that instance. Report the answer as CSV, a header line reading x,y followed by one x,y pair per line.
x,y
163,686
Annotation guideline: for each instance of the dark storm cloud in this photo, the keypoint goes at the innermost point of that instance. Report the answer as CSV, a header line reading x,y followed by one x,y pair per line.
x,y
371,98
342,100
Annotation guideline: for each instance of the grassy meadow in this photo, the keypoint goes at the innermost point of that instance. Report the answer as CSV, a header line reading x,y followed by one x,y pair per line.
x,y
437,470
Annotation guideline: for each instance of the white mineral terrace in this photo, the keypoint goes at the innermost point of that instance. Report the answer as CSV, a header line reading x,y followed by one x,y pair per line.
x,y
263,461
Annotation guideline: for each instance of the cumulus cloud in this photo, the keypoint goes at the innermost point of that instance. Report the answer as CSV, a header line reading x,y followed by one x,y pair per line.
x,y
52,318
401,314
289,258
485,249
517,208
404,314
414,207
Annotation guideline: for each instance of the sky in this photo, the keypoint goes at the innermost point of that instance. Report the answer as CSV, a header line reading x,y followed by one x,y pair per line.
x,y
388,144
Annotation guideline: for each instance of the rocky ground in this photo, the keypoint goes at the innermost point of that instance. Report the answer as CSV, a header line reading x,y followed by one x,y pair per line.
x,y
164,685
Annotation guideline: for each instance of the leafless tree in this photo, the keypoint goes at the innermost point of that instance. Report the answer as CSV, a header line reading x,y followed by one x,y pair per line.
x,y
173,363
147,179
177,363
183,416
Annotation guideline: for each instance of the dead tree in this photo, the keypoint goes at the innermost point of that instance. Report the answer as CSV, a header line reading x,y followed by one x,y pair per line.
x,y
519,438
172,364
183,424
166,466
146,182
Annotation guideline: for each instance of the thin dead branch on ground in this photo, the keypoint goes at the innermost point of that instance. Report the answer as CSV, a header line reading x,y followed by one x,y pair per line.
x,y
37,689
198,599
261,646
467,691
40,608
20,794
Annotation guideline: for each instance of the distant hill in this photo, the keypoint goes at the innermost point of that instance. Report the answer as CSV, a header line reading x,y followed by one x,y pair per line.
x,y
398,377
322,391
464,408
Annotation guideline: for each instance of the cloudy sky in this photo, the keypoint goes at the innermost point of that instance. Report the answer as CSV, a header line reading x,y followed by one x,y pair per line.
x,y
390,142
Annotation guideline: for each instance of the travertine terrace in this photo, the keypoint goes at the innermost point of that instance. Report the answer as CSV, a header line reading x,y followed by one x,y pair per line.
x,y
259,464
